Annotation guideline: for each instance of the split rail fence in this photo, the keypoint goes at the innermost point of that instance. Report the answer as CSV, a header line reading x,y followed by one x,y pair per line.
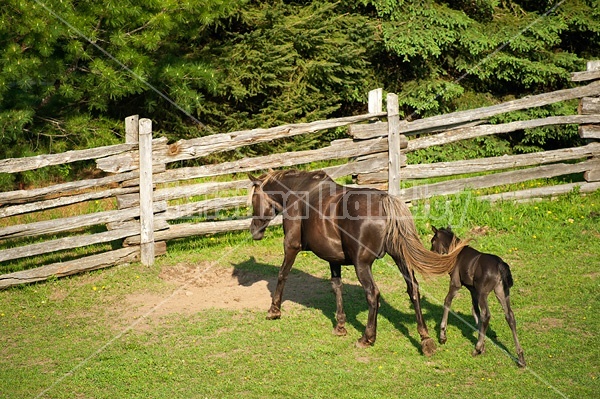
x,y
155,204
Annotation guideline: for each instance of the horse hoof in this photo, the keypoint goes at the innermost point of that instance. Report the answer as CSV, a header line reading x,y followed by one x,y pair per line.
x,y
273,316
443,340
521,361
476,352
340,331
428,347
363,344
273,313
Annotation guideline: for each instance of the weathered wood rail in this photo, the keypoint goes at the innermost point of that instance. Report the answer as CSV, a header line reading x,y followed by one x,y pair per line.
x,y
146,195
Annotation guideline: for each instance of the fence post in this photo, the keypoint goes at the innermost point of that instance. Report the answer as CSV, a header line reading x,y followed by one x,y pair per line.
x,y
132,129
131,137
394,144
376,101
591,106
146,193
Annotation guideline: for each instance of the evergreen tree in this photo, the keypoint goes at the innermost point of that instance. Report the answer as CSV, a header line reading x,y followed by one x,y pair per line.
x,y
462,54
71,70
439,53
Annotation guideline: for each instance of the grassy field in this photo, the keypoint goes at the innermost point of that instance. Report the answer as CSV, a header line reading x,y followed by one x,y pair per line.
x,y
80,337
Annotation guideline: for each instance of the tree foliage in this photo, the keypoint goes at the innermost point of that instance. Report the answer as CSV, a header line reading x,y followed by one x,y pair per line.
x,y
72,70
443,50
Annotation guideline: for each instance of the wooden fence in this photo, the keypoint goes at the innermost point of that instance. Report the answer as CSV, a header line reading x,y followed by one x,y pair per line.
x,y
155,204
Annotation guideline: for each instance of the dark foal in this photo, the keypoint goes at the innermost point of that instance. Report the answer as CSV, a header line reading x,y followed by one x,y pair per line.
x,y
480,273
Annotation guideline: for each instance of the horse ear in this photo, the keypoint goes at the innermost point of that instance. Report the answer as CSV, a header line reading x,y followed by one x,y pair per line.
x,y
255,180
449,228
434,229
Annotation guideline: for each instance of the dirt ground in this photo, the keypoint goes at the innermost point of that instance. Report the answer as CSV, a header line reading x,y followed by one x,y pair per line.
x,y
198,287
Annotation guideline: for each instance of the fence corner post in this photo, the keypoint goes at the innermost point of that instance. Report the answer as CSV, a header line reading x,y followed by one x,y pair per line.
x,y
394,164
146,193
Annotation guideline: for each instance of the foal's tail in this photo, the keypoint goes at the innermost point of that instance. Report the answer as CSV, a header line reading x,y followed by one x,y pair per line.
x,y
506,276
403,240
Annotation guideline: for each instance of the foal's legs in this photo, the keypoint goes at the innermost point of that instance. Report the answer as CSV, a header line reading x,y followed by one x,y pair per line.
x,y
484,321
291,246
412,288
475,314
510,319
336,284
475,306
447,303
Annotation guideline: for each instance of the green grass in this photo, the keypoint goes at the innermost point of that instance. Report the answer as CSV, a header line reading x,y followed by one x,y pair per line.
x,y
76,337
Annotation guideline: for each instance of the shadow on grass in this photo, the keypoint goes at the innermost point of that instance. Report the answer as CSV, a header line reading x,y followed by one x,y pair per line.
x,y
468,328
316,293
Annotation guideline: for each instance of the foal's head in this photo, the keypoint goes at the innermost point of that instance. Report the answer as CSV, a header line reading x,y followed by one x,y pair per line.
x,y
442,239
264,208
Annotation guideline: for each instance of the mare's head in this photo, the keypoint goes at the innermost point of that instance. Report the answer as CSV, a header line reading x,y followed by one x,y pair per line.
x,y
264,208
442,239
274,191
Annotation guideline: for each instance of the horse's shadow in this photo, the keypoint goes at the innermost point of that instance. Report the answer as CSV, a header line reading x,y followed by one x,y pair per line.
x,y
313,292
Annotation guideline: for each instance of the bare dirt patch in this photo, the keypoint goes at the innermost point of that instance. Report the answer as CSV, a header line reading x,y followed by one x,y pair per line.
x,y
547,324
479,230
204,286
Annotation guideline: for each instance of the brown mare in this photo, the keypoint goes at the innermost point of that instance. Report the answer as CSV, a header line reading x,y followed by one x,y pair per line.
x,y
480,273
345,226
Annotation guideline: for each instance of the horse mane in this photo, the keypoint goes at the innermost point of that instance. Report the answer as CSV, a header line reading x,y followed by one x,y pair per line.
x,y
276,175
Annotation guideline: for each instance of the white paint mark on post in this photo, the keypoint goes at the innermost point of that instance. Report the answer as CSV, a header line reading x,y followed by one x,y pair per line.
x,y
593,65
132,129
376,101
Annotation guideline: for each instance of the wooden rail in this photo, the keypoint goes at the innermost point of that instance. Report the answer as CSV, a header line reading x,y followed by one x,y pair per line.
x,y
147,195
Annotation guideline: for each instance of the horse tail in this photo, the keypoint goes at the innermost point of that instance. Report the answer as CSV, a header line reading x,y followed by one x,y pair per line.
x,y
506,276
403,240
